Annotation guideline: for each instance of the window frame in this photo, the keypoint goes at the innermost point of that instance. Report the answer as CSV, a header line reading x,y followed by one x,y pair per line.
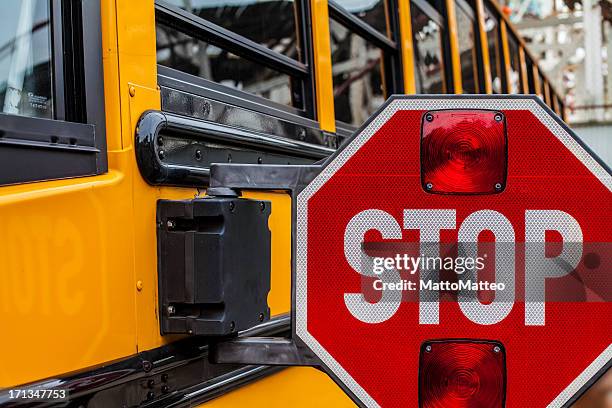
x,y
439,7
389,46
529,64
513,40
204,30
472,14
542,82
433,14
73,142
499,62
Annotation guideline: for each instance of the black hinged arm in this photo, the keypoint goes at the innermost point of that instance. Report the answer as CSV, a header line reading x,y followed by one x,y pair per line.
x,y
292,179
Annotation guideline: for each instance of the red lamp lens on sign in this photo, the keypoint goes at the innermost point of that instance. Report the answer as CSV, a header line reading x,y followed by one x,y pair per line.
x,y
463,152
462,374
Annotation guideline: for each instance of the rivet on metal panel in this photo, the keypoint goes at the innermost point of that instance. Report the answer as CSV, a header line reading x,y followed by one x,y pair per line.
x,y
147,366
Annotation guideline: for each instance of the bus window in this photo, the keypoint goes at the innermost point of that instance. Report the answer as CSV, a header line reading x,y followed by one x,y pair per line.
x,y
560,107
190,55
547,93
357,75
365,61
372,12
542,87
427,33
25,66
530,78
270,23
252,47
492,30
467,49
515,66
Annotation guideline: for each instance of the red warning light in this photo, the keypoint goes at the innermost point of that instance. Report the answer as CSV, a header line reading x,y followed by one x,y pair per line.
x,y
463,152
462,374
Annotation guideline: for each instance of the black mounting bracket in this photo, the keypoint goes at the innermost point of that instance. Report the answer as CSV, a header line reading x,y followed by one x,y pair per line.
x,y
291,179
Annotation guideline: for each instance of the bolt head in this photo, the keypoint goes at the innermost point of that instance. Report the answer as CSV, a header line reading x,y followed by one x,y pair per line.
x,y
498,117
428,348
171,310
498,186
496,349
429,117
429,186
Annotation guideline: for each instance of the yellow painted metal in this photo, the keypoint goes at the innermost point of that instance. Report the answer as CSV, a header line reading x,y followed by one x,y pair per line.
x,y
484,46
110,62
523,64
75,249
506,54
293,387
64,301
68,257
405,23
323,65
454,46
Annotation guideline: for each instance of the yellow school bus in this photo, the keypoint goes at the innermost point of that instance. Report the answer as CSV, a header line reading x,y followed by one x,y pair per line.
x,y
109,107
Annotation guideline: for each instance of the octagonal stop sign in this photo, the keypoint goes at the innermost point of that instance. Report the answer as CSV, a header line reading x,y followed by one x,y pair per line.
x,y
453,253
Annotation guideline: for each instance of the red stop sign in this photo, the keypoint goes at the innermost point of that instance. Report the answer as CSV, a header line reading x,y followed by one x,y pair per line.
x,y
371,213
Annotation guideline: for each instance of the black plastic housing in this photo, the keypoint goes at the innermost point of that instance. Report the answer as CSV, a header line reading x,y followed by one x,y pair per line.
x,y
213,264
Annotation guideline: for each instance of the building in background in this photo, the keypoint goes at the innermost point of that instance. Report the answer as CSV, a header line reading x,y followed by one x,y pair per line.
x,y
573,40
